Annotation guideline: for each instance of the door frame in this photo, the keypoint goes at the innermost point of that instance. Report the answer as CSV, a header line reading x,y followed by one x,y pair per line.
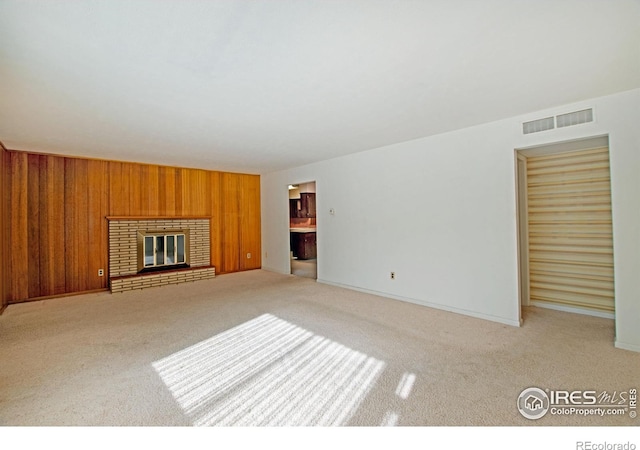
x,y
522,209
521,154
315,183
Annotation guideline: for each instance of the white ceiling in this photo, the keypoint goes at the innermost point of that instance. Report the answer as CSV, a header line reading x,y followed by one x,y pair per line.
x,y
256,86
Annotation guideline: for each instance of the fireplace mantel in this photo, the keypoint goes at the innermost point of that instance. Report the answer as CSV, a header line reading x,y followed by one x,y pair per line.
x,y
110,218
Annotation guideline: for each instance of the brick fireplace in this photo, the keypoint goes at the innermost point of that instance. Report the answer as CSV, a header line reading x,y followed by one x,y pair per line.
x,y
180,251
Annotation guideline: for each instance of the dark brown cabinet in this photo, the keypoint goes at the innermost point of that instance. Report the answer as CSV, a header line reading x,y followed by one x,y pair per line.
x,y
308,203
303,207
303,245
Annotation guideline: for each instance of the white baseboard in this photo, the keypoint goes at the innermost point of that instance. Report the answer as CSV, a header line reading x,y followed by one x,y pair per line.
x,y
515,323
271,269
626,346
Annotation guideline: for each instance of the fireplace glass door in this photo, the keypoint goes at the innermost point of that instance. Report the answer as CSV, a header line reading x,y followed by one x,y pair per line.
x,y
164,250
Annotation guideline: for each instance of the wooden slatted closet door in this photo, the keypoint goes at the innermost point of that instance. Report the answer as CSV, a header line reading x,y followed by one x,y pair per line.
x,y
570,232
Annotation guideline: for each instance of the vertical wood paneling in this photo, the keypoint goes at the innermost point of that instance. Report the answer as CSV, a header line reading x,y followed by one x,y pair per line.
x,y
4,227
142,183
250,222
33,224
56,205
80,202
216,220
132,188
163,191
47,273
178,195
230,186
170,181
51,276
195,194
71,255
130,174
18,257
56,210
98,252
135,178
153,192
117,190
200,190
186,194
3,231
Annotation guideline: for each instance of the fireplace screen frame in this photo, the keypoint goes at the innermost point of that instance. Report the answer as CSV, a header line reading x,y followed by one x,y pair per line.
x,y
161,260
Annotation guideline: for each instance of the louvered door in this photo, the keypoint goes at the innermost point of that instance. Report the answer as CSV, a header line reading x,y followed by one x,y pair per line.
x,y
570,234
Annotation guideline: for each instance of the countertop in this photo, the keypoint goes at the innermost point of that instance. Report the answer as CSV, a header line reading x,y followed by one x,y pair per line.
x,y
302,230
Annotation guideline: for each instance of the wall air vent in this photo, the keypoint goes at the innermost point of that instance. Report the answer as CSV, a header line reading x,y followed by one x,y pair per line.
x,y
574,118
561,121
536,126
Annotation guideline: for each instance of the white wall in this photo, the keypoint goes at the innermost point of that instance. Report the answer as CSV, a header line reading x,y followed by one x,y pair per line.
x,y
441,212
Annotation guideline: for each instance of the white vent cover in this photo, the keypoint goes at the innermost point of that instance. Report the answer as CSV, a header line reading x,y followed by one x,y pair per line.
x,y
561,121
574,118
536,126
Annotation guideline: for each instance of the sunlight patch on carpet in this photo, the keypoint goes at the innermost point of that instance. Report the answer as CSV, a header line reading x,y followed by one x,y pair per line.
x,y
269,372
390,419
406,385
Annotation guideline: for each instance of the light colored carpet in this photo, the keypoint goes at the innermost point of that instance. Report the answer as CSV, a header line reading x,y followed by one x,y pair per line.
x,y
258,348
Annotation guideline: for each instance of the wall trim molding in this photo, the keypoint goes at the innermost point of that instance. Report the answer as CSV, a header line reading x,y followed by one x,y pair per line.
x,y
626,346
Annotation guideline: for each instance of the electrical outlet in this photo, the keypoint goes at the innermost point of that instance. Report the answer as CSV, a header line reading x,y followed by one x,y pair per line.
x,y
100,272
393,275
248,255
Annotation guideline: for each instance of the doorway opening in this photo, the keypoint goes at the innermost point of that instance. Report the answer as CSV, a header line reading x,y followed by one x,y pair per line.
x,y
565,240
302,230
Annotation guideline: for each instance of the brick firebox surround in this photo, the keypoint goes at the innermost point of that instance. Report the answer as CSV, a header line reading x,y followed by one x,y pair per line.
x,y
123,252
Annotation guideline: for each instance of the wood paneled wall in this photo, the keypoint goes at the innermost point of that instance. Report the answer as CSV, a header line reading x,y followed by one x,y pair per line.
x,y
3,230
57,208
